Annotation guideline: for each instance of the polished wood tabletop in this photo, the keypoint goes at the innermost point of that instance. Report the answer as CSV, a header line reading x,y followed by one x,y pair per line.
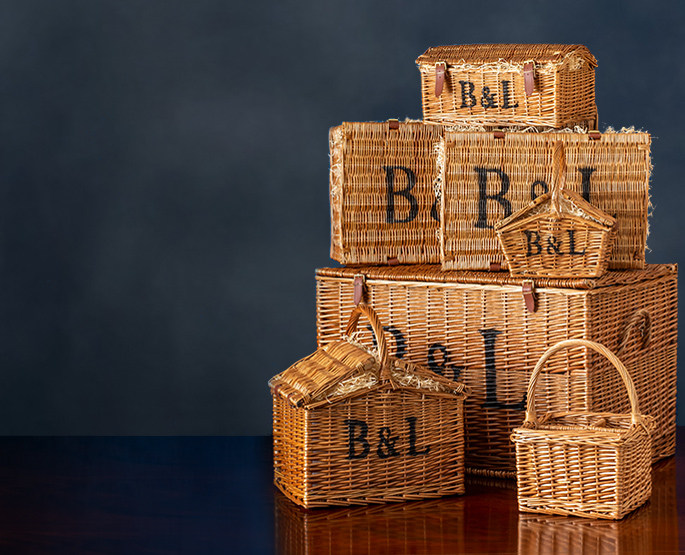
x,y
215,495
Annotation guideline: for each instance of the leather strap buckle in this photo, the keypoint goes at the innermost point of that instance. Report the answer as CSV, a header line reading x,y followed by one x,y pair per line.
x,y
528,290
440,68
529,77
359,288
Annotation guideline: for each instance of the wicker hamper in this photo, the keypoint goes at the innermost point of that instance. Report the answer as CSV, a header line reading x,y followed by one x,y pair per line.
x,y
488,329
549,85
351,426
489,176
559,234
383,204
583,463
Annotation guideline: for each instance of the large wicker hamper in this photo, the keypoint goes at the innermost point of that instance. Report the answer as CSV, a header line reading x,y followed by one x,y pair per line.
x,y
488,329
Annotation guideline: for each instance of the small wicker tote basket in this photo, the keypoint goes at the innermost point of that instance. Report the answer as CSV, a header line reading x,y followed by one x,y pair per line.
x,y
559,234
595,465
551,85
353,426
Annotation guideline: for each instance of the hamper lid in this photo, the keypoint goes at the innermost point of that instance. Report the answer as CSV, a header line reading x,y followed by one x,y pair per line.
x,y
344,369
432,273
552,54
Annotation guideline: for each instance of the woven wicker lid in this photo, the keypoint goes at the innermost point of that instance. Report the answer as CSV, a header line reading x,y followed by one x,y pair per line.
x,y
432,273
344,369
513,53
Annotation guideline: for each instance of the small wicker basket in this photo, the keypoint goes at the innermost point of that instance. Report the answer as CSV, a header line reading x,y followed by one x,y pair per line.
x,y
353,427
559,234
594,465
551,85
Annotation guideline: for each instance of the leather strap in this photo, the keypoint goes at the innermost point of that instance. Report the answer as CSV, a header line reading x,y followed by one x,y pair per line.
x,y
594,135
495,266
529,295
498,133
394,124
359,288
529,77
394,261
439,77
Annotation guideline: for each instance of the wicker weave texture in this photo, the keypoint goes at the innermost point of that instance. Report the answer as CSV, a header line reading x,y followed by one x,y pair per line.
x,y
475,327
652,529
583,463
383,204
347,432
487,179
485,84
559,234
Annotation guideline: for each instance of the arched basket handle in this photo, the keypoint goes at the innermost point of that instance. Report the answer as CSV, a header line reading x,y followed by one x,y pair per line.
x,y
531,417
377,327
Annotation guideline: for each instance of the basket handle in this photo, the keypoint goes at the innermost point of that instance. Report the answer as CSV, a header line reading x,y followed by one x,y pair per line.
x,y
377,327
558,176
641,320
531,418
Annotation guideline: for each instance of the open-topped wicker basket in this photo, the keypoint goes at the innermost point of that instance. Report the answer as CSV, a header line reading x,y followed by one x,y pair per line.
x,y
354,426
582,463
550,85
559,234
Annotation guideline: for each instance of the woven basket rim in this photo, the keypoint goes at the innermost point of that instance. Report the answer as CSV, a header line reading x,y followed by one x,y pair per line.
x,y
433,273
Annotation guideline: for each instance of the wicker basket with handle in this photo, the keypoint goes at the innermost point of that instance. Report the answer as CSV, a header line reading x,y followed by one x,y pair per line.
x,y
559,234
583,463
354,426
550,85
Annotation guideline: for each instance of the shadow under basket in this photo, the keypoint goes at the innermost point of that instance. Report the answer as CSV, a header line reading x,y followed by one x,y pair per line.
x,y
595,465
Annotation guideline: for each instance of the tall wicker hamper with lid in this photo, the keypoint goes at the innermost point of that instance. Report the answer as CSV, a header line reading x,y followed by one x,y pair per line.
x,y
583,463
475,326
550,85
382,198
487,177
354,427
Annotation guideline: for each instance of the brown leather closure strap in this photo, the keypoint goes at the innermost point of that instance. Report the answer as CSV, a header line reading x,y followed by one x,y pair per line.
x,y
498,133
529,77
394,124
359,288
393,261
594,135
440,68
495,266
529,295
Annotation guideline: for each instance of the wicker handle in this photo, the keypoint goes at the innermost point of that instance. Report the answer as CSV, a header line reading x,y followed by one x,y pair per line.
x,y
641,320
377,327
558,176
531,418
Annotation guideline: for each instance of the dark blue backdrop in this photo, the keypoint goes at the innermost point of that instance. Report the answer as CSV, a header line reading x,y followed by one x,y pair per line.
x,y
164,183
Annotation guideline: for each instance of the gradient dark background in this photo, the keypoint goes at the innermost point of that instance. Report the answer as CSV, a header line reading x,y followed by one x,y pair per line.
x,y
164,183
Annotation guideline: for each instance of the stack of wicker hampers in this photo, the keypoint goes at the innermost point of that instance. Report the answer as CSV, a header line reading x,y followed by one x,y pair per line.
x,y
500,235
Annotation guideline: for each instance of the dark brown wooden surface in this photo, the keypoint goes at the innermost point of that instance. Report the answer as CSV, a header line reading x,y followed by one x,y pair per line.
x,y
214,495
